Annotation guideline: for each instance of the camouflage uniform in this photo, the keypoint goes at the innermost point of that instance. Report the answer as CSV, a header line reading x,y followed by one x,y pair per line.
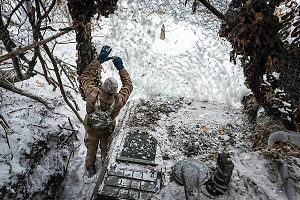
x,y
93,136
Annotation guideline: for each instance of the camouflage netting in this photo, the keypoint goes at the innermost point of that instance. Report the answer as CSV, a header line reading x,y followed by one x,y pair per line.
x,y
265,35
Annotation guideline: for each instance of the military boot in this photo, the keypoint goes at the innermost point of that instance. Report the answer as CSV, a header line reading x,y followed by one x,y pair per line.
x,y
90,171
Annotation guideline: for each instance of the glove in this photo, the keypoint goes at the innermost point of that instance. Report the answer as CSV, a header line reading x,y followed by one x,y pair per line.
x,y
103,56
118,63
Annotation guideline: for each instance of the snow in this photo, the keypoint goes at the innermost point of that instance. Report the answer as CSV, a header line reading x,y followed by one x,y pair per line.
x,y
192,62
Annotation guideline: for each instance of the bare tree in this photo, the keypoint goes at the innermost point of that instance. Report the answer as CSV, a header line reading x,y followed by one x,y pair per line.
x,y
28,46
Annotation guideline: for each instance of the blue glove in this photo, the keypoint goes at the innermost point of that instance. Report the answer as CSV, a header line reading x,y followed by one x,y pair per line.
x,y
118,63
103,56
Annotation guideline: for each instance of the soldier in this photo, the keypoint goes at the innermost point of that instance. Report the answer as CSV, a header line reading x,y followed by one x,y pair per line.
x,y
103,104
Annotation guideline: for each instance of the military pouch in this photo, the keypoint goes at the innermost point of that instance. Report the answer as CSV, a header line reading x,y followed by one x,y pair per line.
x,y
100,119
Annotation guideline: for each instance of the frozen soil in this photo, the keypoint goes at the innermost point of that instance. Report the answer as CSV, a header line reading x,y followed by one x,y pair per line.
x,y
198,129
201,130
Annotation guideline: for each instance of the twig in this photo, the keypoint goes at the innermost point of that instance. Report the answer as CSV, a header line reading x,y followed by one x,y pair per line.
x,y
63,65
211,8
42,42
73,128
39,126
5,122
6,127
60,84
69,129
71,154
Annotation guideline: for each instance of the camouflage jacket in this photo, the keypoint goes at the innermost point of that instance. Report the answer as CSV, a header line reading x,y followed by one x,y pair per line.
x,y
91,91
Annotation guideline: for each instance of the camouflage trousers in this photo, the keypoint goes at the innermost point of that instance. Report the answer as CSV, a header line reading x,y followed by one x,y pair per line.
x,y
92,139
92,143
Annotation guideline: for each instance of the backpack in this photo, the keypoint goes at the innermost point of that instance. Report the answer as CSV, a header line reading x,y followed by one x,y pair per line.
x,y
100,119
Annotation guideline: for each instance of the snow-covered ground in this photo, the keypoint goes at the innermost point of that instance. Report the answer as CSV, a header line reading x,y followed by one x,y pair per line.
x,y
188,72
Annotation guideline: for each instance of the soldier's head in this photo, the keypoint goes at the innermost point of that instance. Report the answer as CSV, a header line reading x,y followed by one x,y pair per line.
x,y
110,86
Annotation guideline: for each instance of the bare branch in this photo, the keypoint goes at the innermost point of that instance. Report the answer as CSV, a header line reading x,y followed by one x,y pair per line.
x,y
63,67
5,124
212,9
60,84
44,67
12,12
46,14
42,42
6,127
7,85
9,45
